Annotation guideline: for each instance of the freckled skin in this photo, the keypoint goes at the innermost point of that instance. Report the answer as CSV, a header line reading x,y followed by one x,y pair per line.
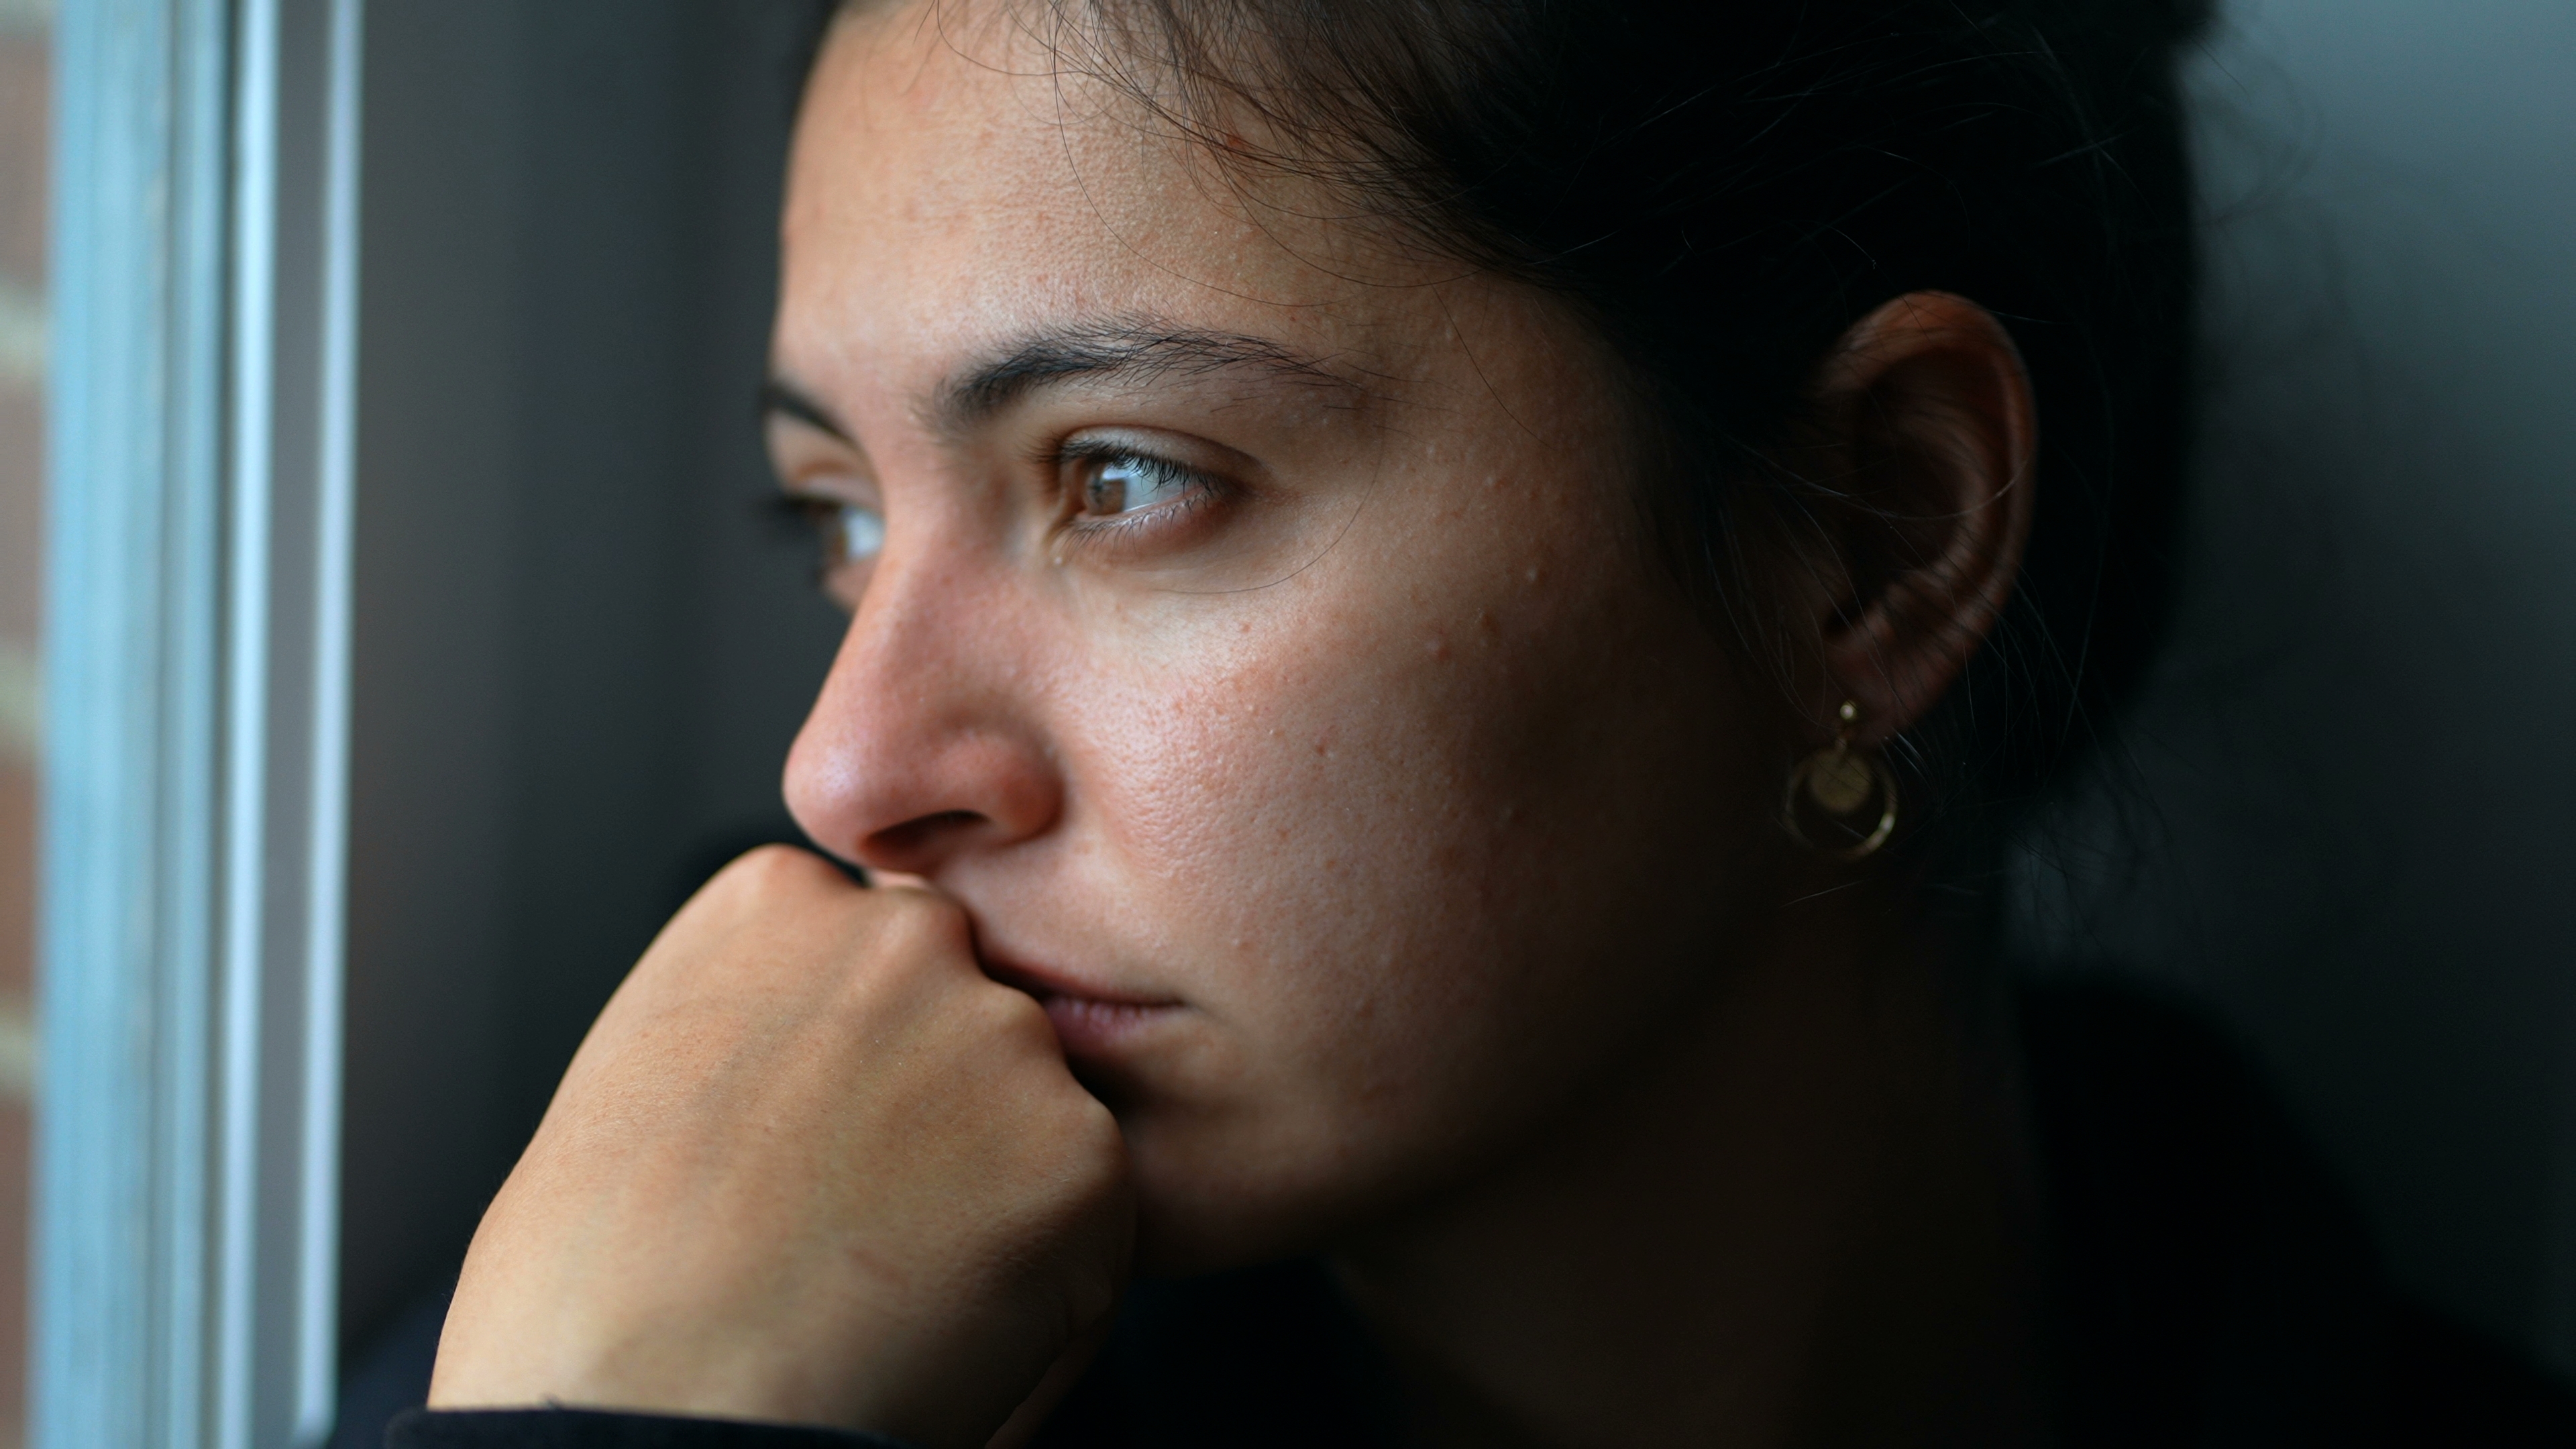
x,y
1407,775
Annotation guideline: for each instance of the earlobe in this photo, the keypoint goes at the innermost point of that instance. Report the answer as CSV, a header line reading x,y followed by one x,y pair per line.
x,y
1932,416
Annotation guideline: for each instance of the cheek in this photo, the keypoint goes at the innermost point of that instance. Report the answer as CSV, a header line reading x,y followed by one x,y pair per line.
x,y
1411,849
1324,773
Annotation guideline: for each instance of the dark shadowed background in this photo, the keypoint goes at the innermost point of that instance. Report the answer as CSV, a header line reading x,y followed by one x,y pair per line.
x,y
582,646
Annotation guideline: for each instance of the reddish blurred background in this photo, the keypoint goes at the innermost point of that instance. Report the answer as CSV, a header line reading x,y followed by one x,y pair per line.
x,y
25,101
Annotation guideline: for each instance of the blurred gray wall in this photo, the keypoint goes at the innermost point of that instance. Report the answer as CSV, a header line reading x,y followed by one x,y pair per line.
x,y
2348,817
2344,814
582,643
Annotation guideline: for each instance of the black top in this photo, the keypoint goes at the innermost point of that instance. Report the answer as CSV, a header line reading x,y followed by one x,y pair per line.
x,y
2210,1286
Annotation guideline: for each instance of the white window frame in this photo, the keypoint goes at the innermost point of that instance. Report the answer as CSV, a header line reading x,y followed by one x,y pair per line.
x,y
201,383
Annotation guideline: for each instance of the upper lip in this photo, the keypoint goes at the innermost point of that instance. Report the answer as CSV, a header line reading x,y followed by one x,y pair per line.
x,y
1046,981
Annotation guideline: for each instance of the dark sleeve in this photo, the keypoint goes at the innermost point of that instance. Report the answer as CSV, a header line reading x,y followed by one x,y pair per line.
x,y
599,1429
2450,1385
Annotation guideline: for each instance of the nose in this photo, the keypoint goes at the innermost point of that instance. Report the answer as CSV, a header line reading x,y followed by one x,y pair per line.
x,y
925,745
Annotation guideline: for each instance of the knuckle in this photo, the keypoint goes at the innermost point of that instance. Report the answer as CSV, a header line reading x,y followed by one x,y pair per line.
x,y
1089,1123
1092,1151
770,870
895,945
1013,1016
916,922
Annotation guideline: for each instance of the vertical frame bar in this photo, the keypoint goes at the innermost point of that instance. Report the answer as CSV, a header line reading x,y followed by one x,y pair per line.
x,y
293,335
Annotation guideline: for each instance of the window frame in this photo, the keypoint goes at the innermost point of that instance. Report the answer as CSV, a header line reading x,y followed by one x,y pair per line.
x,y
199,507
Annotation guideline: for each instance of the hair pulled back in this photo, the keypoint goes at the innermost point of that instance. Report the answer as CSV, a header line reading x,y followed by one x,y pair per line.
x,y
1725,188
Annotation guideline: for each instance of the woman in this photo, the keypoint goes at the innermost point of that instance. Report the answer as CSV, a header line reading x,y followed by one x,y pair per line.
x,y
1450,602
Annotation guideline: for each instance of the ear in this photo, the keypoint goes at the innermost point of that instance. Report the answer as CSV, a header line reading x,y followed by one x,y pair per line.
x,y
1932,439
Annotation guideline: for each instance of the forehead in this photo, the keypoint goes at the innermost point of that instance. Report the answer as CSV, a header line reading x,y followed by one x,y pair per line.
x,y
953,184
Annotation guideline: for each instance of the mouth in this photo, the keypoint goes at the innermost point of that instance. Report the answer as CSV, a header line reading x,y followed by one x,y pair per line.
x,y
1090,1020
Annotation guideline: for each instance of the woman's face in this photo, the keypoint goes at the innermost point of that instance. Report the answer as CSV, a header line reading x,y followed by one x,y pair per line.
x,y
1251,627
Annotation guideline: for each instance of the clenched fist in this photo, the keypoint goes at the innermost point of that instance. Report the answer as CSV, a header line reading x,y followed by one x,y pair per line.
x,y
810,1165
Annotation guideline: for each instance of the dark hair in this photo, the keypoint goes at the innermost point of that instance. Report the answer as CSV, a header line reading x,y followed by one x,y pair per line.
x,y
1725,189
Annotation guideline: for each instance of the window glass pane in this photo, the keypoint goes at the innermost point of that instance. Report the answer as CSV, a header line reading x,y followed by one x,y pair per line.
x,y
25,106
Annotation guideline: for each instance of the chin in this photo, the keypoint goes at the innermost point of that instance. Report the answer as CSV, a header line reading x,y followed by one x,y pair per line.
x,y
1204,1211
1213,1197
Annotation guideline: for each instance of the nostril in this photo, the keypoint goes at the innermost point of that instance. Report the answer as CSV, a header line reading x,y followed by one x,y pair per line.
x,y
899,846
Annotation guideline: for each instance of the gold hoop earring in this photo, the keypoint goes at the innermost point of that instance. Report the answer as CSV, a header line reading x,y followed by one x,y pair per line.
x,y
1840,783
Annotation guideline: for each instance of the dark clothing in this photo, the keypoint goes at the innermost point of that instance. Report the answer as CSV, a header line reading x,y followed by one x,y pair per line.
x,y
589,1429
2210,1287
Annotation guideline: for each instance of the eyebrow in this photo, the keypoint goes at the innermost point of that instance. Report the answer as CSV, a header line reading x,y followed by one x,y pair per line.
x,y
1120,349
787,400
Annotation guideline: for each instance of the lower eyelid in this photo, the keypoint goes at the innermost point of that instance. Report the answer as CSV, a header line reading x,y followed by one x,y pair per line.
x,y
1166,522
1105,528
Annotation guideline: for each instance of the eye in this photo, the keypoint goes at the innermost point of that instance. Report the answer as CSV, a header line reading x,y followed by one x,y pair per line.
x,y
853,534
847,533
1122,483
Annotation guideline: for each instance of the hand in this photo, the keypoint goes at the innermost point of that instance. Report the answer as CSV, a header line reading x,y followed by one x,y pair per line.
x,y
810,1165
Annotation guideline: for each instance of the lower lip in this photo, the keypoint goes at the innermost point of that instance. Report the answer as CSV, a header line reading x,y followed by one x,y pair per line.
x,y
1088,1026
